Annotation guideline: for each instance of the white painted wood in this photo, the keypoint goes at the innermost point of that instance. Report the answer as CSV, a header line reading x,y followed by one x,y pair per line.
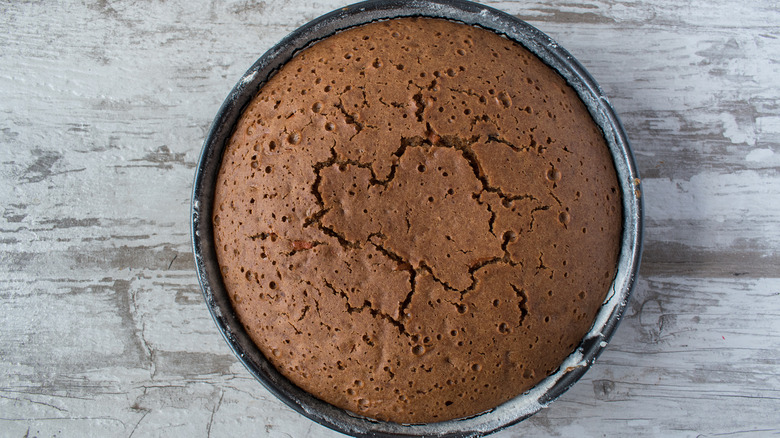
x,y
103,110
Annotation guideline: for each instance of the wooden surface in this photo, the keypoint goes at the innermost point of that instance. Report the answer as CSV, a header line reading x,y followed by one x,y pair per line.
x,y
104,107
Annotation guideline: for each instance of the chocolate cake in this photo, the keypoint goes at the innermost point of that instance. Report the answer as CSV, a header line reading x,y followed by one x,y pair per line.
x,y
417,220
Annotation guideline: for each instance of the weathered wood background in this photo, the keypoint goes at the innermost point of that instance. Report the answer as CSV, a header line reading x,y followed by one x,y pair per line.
x,y
103,110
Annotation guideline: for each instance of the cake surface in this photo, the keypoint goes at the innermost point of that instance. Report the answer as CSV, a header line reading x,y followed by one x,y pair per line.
x,y
416,220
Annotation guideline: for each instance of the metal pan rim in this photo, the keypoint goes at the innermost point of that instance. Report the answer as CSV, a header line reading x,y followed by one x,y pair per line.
x,y
522,406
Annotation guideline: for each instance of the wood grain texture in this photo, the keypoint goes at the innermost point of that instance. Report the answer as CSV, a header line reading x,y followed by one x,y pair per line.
x,y
104,107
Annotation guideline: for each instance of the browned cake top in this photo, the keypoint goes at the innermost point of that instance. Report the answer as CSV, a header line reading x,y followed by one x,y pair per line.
x,y
417,220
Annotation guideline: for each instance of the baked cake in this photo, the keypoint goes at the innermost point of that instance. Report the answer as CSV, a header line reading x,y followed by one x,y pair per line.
x,y
417,220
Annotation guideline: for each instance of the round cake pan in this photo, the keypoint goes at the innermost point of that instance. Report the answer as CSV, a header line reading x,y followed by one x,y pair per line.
x,y
218,302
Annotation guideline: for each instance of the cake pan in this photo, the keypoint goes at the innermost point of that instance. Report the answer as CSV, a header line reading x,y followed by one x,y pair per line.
x,y
216,297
